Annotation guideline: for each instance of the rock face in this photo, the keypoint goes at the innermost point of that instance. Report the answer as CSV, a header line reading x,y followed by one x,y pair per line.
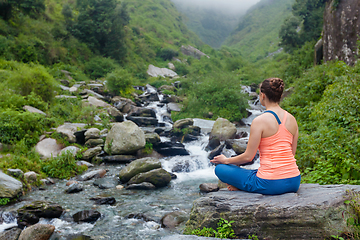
x,y
163,72
314,212
341,30
191,51
223,129
9,186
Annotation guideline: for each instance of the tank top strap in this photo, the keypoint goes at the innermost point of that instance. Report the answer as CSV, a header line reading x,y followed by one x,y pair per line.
x,y
275,115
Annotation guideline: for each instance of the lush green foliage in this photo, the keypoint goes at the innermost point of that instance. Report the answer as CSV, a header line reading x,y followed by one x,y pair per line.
x,y
257,33
119,82
224,230
99,67
4,201
326,105
63,166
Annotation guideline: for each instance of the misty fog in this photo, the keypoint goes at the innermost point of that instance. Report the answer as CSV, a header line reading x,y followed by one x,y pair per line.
x,y
231,6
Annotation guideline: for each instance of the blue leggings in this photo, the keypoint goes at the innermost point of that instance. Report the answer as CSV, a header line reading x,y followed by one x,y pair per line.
x,y
247,180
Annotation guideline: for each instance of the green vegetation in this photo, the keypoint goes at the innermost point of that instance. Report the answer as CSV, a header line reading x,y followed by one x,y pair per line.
x,y
4,201
257,34
224,230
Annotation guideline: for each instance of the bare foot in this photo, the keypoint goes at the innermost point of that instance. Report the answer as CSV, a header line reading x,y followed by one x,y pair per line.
x,y
232,188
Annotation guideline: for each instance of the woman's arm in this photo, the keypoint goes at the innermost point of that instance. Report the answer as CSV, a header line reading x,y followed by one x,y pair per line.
x,y
295,140
251,149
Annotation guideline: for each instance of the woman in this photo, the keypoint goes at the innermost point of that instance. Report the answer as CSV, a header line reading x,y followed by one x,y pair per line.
x,y
275,135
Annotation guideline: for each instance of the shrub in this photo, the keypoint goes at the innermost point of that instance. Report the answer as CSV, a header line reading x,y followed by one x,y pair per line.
x,y
167,54
99,67
119,82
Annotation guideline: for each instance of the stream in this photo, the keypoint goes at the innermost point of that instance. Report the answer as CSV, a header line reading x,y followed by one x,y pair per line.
x,y
137,213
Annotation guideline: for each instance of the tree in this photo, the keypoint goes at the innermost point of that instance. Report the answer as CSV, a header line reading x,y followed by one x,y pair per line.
x,y
288,34
33,8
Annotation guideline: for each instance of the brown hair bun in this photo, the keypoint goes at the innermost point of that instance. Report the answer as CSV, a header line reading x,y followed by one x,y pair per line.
x,y
277,84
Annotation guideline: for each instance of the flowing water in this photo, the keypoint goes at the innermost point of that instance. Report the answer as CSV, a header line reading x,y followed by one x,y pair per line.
x,y
117,221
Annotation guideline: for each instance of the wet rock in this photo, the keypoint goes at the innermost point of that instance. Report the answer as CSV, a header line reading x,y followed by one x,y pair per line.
x,y
173,219
140,216
33,110
68,130
94,142
12,234
213,143
92,174
152,138
149,97
238,145
141,186
81,163
71,182
89,216
104,200
70,149
91,152
9,186
143,112
124,138
158,177
183,123
105,183
15,173
74,188
116,114
143,121
30,214
223,129
171,149
48,148
38,232
138,166
209,187
117,158
217,151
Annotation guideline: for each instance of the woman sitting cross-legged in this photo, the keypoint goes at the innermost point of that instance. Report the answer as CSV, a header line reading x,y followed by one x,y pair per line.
x,y
275,135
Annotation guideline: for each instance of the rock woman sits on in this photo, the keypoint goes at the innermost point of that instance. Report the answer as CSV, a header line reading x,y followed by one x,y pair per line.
x,y
275,135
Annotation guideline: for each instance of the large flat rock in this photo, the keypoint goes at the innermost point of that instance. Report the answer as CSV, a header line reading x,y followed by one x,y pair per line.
x,y
314,212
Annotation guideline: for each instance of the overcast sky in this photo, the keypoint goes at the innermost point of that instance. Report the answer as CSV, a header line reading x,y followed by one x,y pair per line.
x,y
228,5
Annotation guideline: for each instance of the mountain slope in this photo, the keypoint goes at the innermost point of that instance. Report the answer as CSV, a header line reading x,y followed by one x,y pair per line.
x,y
257,34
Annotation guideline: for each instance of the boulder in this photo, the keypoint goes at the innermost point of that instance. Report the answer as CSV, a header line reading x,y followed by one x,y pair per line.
x,y
92,133
68,130
96,95
38,232
173,107
216,152
94,142
124,138
163,72
143,121
70,149
30,176
31,213
143,112
12,234
209,187
104,200
81,163
223,129
314,212
33,110
48,148
92,174
191,51
116,114
152,138
171,149
106,183
141,186
74,188
138,166
183,123
117,158
92,101
173,219
91,152
9,186
158,177
238,145
89,216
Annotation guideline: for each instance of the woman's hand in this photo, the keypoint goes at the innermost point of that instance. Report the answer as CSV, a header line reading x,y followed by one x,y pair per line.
x,y
221,159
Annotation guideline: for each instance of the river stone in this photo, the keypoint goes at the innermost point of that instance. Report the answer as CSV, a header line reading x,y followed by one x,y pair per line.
x,y
119,117
124,138
38,232
314,212
209,187
48,148
143,121
223,129
173,219
89,216
71,182
106,183
73,150
30,176
30,214
158,177
216,152
92,174
141,186
94,142
92,133
143,112
81,163
91,152
104,200
12,234
213,143
9,186
183,123
238,145
33,110
117,158
138,166
68,130
15,173
152,138
74,188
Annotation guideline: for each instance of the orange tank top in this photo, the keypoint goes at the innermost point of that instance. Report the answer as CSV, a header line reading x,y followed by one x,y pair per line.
x,y
276,158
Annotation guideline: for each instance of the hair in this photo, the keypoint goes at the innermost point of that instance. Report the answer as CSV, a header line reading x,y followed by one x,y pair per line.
x,y
273,88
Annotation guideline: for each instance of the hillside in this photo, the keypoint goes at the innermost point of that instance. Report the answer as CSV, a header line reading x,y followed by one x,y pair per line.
x,y
257,34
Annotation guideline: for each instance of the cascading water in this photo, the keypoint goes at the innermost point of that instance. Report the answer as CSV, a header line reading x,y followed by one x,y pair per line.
x,y
137,213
